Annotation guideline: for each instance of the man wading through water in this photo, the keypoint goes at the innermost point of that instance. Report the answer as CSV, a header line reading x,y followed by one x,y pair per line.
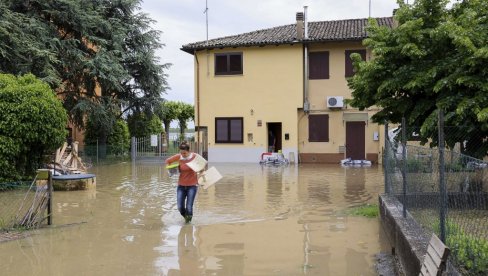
x,y
187,181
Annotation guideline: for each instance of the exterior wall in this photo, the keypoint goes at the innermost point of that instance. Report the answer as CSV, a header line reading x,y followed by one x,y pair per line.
x,y
270,90
333,151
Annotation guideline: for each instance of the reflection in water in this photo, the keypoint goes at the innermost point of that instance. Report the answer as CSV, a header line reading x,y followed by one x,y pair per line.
x,y
356,185
274,191
188,256
257,220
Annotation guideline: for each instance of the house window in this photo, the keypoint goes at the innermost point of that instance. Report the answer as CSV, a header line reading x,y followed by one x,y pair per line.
x,y
318,65
318,128
349,67
229,130
228,64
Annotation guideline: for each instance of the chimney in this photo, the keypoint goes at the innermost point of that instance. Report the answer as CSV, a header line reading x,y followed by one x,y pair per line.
x,y
395,21
299,25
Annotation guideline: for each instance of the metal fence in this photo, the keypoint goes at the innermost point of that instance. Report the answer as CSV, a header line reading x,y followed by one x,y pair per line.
x,y
155,148
141,148
444,190
25,204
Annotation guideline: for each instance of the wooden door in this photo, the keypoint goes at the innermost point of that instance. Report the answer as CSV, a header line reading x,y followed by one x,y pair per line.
x,y
355,140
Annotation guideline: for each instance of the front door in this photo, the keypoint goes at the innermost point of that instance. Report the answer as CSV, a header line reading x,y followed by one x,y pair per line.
x,y
274,137
355,140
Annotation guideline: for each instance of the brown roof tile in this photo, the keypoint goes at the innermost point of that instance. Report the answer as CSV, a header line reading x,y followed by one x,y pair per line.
x,y
338,30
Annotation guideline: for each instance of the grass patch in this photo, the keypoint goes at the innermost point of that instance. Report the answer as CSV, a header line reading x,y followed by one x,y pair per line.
x,y
367,210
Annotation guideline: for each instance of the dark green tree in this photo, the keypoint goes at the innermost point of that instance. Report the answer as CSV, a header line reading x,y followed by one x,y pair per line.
x,y
143,125
95,54
434,59
32,125
119,139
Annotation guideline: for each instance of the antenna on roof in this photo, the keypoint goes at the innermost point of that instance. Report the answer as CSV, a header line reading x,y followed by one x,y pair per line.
x,y
206,17
369,8
206,44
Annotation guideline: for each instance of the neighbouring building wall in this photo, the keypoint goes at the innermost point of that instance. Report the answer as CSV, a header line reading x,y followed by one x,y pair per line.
x,y
75,133
335,149
269,90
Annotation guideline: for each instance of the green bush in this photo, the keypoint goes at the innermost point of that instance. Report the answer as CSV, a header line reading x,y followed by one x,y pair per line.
x,y
418,166
119,140
33,124
468,252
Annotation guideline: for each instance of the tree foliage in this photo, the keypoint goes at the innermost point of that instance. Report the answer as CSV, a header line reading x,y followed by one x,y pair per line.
x,y
95,53
119,139
434,59
185,113
167,111
32,124
143,125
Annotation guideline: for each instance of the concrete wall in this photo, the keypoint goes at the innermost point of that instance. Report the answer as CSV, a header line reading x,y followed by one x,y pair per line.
x,y
408,240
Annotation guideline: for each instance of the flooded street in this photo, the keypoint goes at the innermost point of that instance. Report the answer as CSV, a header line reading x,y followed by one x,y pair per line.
x,y
257,220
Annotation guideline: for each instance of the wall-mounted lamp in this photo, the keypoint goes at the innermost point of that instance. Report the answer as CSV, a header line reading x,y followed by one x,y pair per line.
x,y
252,111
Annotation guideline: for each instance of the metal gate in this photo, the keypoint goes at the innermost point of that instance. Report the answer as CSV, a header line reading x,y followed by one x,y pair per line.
x,y
156,148
151,148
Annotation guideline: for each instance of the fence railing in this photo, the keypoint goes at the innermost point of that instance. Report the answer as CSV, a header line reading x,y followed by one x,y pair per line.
x,y
140,148
26,204
446,192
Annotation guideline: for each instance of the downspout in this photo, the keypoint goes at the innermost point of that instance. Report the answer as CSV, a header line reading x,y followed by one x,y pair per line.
x,y
198,101
306,104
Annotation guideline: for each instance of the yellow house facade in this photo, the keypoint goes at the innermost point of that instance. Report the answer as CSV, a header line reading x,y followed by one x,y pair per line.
x,y
283,89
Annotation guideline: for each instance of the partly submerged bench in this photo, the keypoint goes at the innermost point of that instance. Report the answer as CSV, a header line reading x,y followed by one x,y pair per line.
x,y
435,259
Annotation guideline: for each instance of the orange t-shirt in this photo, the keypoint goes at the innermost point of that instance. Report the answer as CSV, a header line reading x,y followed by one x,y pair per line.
x,y
188,177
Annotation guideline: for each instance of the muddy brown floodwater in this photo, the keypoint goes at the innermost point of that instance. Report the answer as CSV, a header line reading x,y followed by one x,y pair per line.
x,y
257,220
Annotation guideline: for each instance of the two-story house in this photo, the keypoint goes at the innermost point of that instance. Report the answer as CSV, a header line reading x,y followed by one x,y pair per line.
x,y
283,87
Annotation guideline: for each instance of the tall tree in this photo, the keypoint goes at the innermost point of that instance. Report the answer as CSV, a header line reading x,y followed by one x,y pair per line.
x,y
95,53
434,59
186,112
143,125
167,111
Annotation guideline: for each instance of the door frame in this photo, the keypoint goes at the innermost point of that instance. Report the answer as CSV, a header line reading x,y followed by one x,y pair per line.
x,y
277,129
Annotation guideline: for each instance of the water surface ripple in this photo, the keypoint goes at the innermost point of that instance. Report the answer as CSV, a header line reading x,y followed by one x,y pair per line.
x,y
257,220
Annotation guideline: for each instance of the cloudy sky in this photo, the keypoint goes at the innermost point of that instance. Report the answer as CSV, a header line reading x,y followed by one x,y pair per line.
x,y
183,21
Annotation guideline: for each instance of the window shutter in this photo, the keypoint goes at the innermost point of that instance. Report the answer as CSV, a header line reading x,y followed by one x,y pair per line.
x,y
318,65
318,128
229,130
220,64
221,130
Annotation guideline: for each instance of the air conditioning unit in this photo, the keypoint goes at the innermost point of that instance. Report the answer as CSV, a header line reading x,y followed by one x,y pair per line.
x,y
335,102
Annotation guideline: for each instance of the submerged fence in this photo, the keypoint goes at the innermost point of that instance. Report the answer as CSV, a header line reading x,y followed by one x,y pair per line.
x,y
26,204
446,192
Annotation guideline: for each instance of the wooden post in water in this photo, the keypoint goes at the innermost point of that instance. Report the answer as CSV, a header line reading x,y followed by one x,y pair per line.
x,y
50,198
